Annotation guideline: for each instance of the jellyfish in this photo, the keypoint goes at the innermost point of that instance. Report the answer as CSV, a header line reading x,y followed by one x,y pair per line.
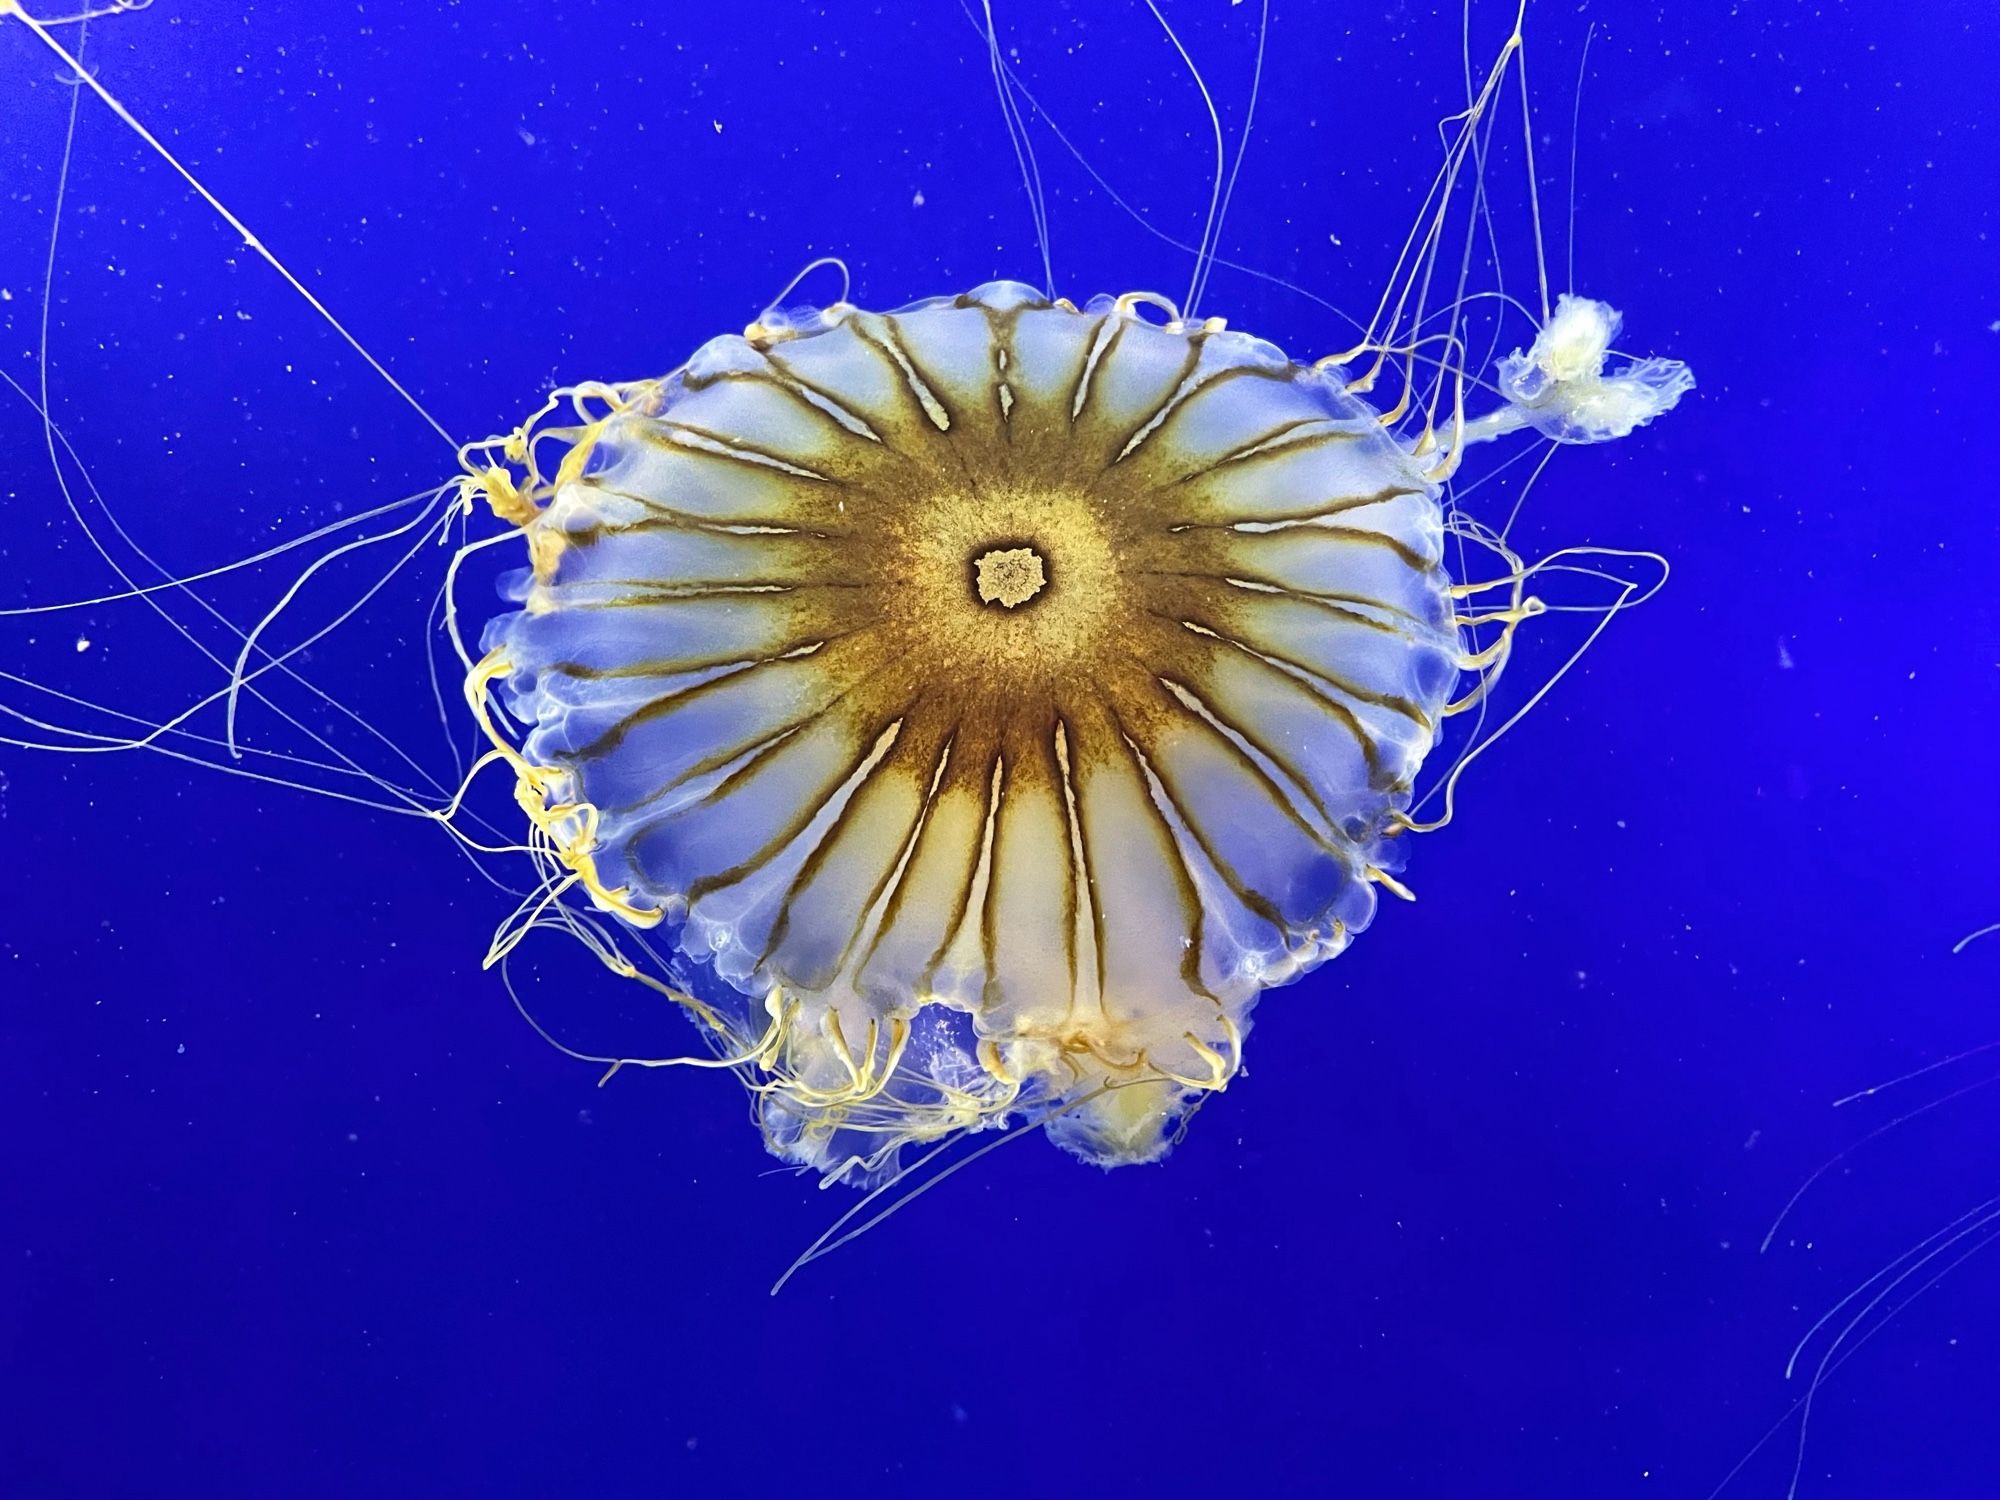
x,y
966,713
994,697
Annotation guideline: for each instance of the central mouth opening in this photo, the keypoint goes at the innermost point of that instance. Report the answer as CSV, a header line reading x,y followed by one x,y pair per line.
x,y
1009,575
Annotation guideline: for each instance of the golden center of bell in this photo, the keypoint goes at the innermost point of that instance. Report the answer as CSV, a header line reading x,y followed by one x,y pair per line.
x,y
1009,575
998,587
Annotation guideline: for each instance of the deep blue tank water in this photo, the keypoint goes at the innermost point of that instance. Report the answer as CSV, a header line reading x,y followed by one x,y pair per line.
x,y
291,1200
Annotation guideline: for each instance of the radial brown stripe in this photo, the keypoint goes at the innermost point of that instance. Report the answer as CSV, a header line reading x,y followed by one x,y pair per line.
x,y
923,390
1417,625
996,830
1045,747
1335,604
1311,513
1301,783
612,737
1164,687
980,867
709,764
785,370
667,518
889,889
815,861
792,388
1254,900
653,596
1272,445
1191,907
1299,683
1189,396
987,766
1082,883
721,445
875,750
1190,362
1395,703
1101,345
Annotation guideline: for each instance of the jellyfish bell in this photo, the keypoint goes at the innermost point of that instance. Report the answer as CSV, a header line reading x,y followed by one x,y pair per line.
x,y
995,697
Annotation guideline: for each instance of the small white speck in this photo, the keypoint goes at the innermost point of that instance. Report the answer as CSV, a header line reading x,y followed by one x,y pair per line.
x,y
83,643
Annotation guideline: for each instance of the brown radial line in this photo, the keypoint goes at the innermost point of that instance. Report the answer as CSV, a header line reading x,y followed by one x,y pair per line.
x,y
1291,519
1361,537
1272,444
1185,396
896,355
1251,897
1397,705
732,449
977,854
816,861
1319,701
1000,334
793,560
1298,779
666,518
845,401
813,639
1006,324
1191,908
1190,362
651,592
1078,849
653,708
798,825
957,418
1330,602
989,990
757,745
986,916
715,762
796,389
971,473
665,589
1101,346
757,749
889,889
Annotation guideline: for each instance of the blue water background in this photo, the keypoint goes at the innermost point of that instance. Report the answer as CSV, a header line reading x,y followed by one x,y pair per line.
x,y
292,1203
